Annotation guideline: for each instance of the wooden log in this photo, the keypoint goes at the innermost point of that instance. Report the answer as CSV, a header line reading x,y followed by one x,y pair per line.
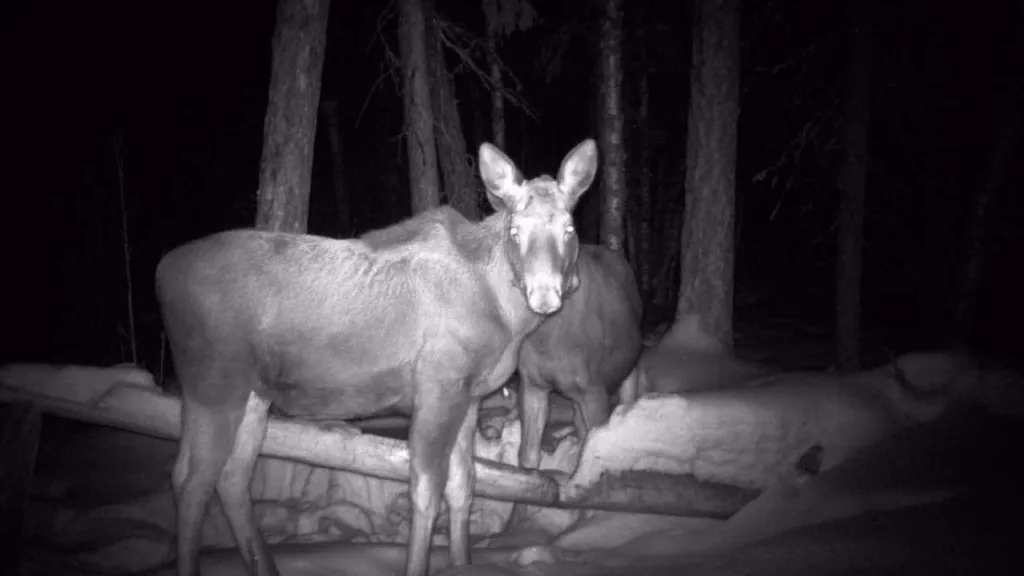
x,y
20,427
124,398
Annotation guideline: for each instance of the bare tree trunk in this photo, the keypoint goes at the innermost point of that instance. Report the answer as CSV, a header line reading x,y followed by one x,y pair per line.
x,y
706,281
329,109
1006,119
644,233
490,8
853,181
126,245
613,185
460,188
667,206
934,277
419,117
286,167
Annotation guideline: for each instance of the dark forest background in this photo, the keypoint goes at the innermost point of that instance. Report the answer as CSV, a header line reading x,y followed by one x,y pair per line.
x,y
167,99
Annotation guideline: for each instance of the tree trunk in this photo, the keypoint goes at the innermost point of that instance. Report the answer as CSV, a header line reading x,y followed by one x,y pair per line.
x,y
419,117
490,8
642,262
613,184
853,180
934,277
1006,118
667,206
706,281
460,188
341,199
289,131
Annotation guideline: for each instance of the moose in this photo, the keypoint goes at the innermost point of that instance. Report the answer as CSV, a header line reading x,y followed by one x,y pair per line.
x,y
584,352
425,317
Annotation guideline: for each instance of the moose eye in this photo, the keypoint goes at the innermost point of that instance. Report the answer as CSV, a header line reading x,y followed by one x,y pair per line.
x,y
570,230
514,233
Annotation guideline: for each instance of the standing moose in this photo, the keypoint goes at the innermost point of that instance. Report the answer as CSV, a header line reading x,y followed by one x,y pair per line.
x,y
426,316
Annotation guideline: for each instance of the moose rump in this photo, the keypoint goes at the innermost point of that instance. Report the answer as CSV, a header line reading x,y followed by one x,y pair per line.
x,y
426,317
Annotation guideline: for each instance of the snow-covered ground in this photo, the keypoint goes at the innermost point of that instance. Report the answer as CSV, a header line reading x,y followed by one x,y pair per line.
x,y
942,498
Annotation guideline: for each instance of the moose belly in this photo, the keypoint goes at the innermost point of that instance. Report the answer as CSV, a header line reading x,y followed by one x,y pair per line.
x,y
343,397
501,372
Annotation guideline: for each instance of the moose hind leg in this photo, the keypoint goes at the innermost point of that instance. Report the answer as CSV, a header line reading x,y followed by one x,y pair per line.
x,y
207,439
458,491
233,488
437,419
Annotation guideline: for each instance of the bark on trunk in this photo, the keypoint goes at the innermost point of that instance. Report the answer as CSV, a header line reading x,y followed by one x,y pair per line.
x,y
289,131
613,184
490,8
706,281
424,191
644,233
853,181
668,223
341,201
934,276
460,188
1006,119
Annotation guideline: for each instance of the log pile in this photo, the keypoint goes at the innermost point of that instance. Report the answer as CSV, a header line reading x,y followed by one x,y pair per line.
x,y
126,398
692,461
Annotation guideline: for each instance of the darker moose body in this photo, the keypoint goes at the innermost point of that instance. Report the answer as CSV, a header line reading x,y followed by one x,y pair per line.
x,y
426,317
584,352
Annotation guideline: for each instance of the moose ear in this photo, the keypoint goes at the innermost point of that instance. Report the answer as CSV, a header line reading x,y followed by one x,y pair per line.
x,y
501,178
577,171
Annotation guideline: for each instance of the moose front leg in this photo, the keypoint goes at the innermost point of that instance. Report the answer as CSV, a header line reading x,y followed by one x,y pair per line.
x,y
533,413
533,416
459,490
438,416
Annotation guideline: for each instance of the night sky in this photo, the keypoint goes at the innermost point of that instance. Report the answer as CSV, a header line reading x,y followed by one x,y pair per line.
x,y
183,87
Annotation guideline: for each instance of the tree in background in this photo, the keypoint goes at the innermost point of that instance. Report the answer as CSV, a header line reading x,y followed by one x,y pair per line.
x,y
852,188
639,216
501,19
419,116
442,167
613,179
332,125
490,8
980,244
286,166
460,184
706,281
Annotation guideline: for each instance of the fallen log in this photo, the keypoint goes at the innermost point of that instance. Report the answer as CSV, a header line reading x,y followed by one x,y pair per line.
x,y
125,397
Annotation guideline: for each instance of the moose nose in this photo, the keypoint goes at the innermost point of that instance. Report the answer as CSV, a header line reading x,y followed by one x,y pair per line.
x,y
546,299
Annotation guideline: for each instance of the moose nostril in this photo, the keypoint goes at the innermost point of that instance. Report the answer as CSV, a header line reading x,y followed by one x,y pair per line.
x,y
544,300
